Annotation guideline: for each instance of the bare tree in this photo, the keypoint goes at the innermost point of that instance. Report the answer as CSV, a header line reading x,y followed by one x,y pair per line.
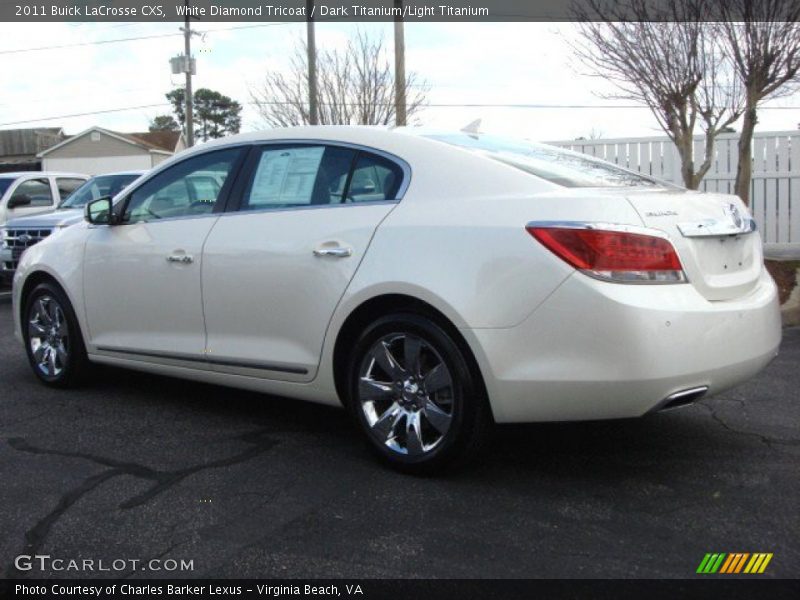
x,y
355,87
669,58
762,39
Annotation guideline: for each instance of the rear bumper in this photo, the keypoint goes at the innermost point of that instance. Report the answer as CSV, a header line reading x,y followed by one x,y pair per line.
x,y
595,350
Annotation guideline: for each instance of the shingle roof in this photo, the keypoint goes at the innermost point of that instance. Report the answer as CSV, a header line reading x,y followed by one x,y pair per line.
x,y
159,140
20,142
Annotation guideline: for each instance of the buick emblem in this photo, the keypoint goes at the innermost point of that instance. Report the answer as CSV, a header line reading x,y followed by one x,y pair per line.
x,y
24,238
735,215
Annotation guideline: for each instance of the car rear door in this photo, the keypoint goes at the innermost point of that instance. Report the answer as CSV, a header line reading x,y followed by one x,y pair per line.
x,y
275,268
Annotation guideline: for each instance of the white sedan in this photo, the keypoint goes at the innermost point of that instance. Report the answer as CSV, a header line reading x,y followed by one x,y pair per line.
x,y
432,283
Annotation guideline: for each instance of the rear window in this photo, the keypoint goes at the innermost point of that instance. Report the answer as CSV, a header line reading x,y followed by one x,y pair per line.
x,y
558,166
5,183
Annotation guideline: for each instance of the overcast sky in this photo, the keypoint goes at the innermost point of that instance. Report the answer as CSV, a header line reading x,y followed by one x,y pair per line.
x,y
473,63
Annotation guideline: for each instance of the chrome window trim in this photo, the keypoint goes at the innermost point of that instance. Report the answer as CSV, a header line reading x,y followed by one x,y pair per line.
x,y
240,211
603,226
401,191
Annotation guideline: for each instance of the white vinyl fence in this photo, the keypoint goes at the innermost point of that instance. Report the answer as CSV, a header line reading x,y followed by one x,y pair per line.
x,y
775,191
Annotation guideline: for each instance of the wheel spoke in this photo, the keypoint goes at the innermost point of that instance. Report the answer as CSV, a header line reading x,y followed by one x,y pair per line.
x,y
61,352
36,330
39,354
51,361
384,427
369,389
412,349
387,362
439,419
42,313
413,434
437,379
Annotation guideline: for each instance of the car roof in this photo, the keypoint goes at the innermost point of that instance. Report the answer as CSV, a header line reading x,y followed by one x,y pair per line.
x,y
116,173
378,137
18,174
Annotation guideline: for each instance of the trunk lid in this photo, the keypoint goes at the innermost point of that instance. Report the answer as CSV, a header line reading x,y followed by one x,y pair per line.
x,y
721,255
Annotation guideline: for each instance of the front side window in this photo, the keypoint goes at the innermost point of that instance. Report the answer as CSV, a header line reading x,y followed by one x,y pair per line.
x,y
190,188
37,191
67,185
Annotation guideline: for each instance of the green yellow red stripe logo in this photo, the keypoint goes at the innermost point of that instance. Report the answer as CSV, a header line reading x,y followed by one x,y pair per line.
x,y
734,563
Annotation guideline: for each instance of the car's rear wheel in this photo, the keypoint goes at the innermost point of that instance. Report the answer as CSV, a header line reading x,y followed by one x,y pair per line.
x,y
53,339
414,395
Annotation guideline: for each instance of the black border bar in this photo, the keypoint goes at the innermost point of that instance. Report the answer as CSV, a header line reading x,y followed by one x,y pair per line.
x,y
382,10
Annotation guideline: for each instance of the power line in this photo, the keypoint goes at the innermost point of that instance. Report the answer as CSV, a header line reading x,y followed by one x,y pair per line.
x,y
95,43
86,114
133,39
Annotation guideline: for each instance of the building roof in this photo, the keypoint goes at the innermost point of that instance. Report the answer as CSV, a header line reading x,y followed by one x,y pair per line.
x,y
160,142
29,142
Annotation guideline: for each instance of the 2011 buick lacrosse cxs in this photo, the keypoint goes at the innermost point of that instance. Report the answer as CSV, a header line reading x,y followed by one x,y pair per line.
x,y
433,283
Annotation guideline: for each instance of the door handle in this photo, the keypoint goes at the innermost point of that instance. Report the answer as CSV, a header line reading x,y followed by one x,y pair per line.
x,y
336,252
180,258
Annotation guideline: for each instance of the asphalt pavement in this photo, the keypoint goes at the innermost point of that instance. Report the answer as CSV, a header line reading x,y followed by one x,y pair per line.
x,y
136,467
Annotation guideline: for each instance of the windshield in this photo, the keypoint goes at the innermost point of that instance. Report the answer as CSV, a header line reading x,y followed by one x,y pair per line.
x,y
5,182
558,166
98,187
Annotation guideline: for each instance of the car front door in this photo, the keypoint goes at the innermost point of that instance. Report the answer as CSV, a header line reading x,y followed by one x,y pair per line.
x,y
142,276
30,197
275,269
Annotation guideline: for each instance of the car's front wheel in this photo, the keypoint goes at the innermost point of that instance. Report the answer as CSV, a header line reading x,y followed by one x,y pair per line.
x,y
414,395
53,340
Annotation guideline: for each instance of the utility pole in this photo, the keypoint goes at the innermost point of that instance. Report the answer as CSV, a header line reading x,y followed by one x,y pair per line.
x,y
187,39
399,66
311,46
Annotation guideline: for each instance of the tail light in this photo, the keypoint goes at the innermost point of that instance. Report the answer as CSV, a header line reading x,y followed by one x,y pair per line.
x,y
612,254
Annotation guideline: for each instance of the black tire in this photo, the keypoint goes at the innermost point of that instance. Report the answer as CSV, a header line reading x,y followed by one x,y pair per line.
x,y
72,365
470,419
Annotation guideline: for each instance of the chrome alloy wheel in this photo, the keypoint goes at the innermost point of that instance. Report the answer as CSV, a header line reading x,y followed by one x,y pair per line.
x,y
48,336
405,392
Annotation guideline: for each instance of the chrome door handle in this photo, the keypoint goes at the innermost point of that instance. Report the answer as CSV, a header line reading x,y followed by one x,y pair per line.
x,y
337,252
180,258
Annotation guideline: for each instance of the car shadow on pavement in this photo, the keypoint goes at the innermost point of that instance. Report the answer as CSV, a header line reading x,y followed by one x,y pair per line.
x,y
660,443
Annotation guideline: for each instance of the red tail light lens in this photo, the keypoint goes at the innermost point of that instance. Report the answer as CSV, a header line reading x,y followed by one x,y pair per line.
x,y
613,255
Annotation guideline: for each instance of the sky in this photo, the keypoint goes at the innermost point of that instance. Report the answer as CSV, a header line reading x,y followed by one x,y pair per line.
x,y
463,63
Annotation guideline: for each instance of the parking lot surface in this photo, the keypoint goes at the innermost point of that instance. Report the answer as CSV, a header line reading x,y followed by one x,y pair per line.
x,y
135,466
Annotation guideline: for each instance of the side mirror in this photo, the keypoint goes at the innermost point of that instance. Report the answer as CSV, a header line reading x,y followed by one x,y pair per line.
x,y
19,200
100,211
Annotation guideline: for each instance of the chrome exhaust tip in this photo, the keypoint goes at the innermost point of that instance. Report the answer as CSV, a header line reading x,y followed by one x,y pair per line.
x,y
682,398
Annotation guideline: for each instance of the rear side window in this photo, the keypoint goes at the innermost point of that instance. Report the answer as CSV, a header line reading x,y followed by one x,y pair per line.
x,y
311,175
36,190
293,177
67,185
374,179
